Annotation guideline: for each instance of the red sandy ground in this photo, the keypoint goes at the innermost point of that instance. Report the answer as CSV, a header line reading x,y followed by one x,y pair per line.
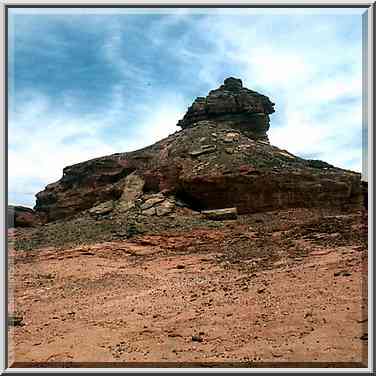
x,y
142,300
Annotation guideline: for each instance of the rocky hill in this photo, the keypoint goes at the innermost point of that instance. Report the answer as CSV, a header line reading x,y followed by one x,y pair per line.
x,y
220,159
162,254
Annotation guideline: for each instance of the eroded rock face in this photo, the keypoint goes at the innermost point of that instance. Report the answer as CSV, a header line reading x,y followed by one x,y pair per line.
x,y
214,162
255,176
83,186
21,216
133,187
233,105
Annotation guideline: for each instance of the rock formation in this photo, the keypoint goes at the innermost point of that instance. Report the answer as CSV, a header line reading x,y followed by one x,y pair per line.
x,y
21,216
220,159
233,105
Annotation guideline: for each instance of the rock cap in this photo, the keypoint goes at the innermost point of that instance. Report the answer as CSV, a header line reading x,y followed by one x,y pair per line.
x,y
234,105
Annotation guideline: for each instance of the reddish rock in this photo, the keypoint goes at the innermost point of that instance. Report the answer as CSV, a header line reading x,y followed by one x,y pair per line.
x,y
21,216
196,166
233,105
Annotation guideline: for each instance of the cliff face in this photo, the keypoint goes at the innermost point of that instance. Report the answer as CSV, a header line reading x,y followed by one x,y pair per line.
x,y
221,158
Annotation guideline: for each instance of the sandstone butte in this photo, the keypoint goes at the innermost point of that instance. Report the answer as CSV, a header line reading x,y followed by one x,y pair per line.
x,y
221,158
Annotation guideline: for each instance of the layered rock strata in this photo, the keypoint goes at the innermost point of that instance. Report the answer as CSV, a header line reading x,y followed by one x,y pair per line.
x,y
233,105
220,159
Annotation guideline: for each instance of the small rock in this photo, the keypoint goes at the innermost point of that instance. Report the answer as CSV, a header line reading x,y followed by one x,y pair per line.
x,y
133,229
360,321
364,337
196,153
15,320
197,338
165,208
346,274
336,274
276,354
206,146
180,266
174,335
180,203
152,201
150,211
102,209
231,137
87,253
220,214
260,291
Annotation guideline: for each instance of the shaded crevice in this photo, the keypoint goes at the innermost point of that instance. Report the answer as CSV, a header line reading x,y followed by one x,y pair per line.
x,y
188,200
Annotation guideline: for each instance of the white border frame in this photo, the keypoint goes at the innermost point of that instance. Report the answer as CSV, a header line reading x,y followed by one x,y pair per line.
x,y
3,169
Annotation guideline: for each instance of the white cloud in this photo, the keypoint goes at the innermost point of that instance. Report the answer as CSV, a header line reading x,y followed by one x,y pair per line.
x,y
311,72
44,140
306,67
329,140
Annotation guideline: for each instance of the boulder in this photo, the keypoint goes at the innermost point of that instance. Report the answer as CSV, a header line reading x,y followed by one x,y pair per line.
x,y
102,209
220,214
202,150
231,137
165,208
152,200
21,216
150,211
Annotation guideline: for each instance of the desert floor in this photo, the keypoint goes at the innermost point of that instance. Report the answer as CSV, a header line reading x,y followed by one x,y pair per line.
x,y
293,293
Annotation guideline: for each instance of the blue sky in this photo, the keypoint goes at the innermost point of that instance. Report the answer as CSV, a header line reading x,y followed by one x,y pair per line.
x,y
85,83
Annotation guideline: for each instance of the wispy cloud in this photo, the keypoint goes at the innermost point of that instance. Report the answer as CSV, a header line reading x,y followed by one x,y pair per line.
x,y
311,68
43,140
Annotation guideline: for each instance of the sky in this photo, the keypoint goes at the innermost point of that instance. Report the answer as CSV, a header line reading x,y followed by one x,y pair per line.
x,y
84,83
